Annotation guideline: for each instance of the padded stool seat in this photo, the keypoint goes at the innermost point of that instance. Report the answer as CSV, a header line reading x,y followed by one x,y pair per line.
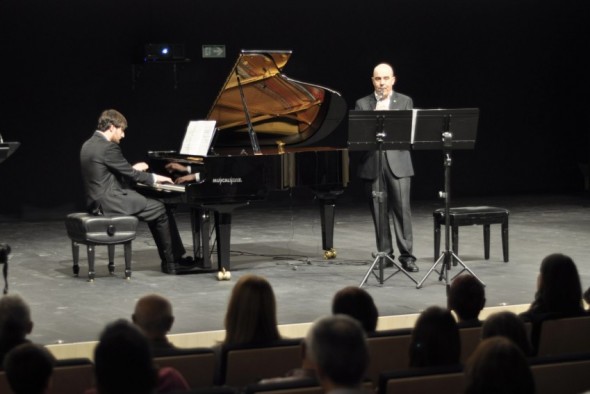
x,y
90,230
464,216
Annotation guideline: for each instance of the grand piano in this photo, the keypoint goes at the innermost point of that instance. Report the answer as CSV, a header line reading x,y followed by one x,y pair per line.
x,y
272,133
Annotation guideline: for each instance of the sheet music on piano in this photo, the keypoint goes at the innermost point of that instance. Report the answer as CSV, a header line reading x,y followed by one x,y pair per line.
x,y
198,137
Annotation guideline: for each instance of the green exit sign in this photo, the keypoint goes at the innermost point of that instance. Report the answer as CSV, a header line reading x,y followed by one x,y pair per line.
x,y
213,51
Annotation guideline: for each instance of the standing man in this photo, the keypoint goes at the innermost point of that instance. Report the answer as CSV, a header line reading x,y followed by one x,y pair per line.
x,y
107,177
397,171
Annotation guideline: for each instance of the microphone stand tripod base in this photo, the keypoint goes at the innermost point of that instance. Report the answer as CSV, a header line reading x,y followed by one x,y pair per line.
x,y
381,258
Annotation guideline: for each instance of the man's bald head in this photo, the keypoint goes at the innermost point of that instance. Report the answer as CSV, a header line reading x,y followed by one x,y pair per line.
x,y
383,68
153,314
383,80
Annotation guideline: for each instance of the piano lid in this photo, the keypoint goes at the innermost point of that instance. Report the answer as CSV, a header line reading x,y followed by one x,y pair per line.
x,y
280,108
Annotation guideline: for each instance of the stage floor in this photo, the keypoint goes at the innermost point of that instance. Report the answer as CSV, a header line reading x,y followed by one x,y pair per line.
x,y
281,240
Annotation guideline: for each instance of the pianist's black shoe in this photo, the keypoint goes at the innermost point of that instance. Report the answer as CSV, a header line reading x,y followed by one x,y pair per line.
x,y
182,264
186,261
169,268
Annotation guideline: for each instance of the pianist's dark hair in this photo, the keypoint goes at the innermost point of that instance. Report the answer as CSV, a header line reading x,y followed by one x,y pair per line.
x,y
111,117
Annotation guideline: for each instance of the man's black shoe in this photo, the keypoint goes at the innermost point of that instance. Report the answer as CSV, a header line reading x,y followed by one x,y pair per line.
x,y
410,266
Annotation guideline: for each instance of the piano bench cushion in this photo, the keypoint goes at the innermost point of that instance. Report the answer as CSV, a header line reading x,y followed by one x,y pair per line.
x,y
85,228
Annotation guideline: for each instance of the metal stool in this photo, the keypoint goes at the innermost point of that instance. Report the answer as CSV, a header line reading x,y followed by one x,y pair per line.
x,y
90,230
465,216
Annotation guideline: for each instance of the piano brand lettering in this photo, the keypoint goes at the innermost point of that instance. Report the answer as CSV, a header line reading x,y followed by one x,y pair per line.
x,y
231,181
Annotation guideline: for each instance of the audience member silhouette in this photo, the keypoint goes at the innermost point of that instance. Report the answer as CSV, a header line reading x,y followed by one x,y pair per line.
x,y
559,294
435,339
338,351
351,301
15,323
250,318
497,366
28,369
507,324
153,315
251,315
358,304
123,364
466,298
586,297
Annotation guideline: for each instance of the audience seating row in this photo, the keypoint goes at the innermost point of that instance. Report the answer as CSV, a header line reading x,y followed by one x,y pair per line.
x,y
242,366
69,376
564,374
566,335
389,350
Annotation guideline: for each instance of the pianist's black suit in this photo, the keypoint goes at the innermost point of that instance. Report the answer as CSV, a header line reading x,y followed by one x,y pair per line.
x,y
397,172
107,175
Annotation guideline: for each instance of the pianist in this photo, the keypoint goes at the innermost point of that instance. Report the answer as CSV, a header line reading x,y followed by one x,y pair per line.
x,y
106,175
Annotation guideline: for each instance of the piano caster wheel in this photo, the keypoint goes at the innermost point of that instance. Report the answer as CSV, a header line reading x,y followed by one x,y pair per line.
x,y
76,270
223,275
112,268
330,254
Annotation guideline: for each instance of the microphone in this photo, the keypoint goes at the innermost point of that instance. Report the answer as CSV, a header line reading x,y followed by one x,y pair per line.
x,y
380,94
1,139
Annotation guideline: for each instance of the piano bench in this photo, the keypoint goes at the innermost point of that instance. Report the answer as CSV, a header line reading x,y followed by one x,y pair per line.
x,y
465,216
84,228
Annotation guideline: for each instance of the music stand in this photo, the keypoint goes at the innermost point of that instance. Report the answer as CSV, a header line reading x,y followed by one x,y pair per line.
x,y
6,149
447,130
376,131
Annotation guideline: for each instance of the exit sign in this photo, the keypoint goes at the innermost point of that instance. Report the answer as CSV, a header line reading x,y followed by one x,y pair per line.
x,y
213,51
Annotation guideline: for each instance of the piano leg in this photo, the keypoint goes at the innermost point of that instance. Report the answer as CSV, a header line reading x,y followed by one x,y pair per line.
x,y
223,234
327,203
201,225
223,214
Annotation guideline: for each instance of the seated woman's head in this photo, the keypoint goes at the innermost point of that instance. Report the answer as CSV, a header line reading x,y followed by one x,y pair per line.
x,y
558,285
507,324
497,366
251,315
435,339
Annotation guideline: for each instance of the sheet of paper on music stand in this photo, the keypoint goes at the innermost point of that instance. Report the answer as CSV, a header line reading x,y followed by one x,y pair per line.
x,y
414,114
198,137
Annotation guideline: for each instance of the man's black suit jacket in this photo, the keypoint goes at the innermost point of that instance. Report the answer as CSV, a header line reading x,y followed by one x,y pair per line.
x,y
106,173
399,161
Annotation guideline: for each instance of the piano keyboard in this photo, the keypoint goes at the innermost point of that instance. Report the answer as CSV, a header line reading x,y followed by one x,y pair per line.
x,y
166,187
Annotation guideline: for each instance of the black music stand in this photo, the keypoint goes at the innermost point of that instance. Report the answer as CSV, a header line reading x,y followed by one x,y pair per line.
x,y
6,149
445,129
376,131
